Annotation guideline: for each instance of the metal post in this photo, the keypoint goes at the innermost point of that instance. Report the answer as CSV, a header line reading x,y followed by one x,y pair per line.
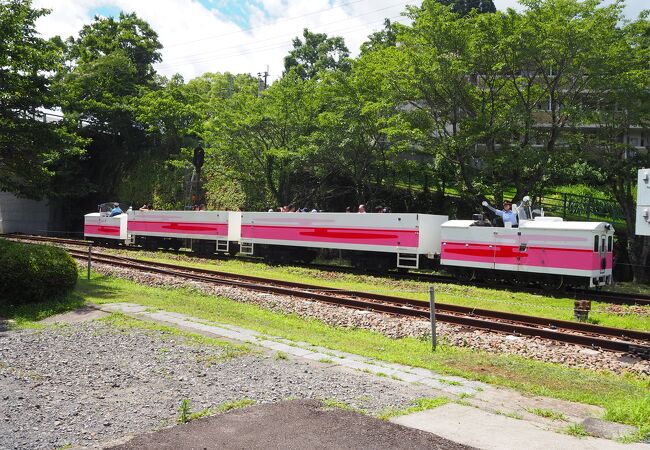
x,y
432,314
90,252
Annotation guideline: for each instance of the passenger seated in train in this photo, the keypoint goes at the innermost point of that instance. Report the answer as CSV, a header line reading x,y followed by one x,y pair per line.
x,y
116,211
480,221
507,214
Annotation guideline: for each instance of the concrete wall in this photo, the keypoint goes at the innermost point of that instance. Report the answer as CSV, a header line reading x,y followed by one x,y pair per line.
x,y
22,215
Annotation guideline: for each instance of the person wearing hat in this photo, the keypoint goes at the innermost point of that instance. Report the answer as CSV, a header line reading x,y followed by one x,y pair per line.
x,y
506,213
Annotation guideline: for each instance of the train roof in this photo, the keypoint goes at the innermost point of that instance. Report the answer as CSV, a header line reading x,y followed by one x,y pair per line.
x,y
543,224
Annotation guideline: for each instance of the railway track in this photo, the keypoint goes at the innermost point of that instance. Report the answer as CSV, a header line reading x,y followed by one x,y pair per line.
x,y
594,336
578,294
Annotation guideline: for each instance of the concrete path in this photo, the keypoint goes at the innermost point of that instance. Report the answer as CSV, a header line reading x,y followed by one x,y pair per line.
x,y
481,429
482,421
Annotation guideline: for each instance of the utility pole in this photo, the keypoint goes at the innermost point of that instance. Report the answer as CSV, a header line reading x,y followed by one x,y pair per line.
x,y
263,75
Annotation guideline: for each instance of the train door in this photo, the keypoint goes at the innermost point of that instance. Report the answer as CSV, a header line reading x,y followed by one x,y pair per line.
x,y
505,249
602,251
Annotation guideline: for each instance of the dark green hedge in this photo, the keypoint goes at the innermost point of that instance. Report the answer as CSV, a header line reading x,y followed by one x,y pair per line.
x,y
34,273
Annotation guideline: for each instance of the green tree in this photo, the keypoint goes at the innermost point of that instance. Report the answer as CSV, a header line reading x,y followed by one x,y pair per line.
x,y
317,52
263,135
109,70
31,149
620,107
464,7
387,37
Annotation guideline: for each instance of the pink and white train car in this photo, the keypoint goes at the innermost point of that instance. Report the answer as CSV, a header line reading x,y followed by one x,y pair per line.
x,y
100,227
575,252
170,229
398,240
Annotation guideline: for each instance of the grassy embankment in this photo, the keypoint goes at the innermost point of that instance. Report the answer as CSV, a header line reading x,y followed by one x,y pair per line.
x,y
626,399
494,299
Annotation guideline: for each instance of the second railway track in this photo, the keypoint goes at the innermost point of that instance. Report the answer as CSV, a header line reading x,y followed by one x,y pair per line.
x,y
588,335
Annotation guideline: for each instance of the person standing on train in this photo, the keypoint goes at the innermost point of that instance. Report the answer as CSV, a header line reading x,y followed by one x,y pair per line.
x,y
506,213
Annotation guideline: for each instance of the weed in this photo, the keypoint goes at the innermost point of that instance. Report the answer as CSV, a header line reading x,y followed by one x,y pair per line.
x,y
548,413
450,382
576,430
332,403
420,404
512,415
234,404
184,411
281,355
326,360
395,377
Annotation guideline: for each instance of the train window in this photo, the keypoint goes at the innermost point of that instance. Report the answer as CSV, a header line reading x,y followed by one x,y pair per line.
x,y
596,241
610,243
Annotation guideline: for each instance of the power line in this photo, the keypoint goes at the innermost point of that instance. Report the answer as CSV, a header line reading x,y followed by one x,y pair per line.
x,y
242,30
283,36
250,51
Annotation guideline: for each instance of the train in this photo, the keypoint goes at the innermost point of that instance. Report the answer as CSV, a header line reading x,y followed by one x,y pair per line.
x,y
545,250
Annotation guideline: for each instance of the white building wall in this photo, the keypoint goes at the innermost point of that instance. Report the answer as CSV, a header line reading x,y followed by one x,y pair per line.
x,y
19,215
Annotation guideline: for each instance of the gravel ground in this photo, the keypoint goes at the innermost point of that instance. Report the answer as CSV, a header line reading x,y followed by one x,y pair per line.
x,y
90,383
535,348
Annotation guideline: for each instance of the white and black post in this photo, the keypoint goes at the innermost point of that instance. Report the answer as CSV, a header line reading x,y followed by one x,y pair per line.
x,y
90,252
432,314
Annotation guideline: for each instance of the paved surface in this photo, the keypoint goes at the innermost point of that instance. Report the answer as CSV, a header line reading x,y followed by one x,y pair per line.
x,y
489,431
297,424
443,383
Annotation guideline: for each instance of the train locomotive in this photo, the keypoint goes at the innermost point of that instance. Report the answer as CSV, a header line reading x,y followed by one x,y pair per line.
x,y
546,250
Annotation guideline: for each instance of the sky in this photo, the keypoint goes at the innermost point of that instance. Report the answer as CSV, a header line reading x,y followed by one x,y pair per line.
x,y
240,36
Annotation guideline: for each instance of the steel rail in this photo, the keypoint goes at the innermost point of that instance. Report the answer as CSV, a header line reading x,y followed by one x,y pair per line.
x,y
581,294
475,318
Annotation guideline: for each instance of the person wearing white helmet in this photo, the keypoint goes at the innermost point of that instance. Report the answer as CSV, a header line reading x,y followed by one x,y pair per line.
x,y
507,214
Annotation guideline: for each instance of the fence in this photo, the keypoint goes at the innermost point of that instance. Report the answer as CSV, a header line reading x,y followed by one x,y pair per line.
x,y
582,207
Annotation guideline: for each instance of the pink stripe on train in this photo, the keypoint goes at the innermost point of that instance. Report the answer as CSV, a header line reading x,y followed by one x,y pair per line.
x,y
102,229
561,258
362,236
191,228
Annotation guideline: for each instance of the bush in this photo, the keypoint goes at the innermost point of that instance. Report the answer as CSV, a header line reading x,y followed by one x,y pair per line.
x,y
34,273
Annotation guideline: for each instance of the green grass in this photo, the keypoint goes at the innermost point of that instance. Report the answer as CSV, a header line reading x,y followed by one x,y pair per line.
x,y
185,413
493,299
576,430
332,403
27,315
548,414
420,404
626,399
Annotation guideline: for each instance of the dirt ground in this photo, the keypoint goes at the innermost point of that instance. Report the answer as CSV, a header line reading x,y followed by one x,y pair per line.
x,y
296,424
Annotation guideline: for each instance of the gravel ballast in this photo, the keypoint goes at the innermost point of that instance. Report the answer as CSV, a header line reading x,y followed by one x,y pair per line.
x,y
91,383
529,347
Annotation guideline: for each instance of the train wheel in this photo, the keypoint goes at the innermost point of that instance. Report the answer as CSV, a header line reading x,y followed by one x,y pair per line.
x,y
553,283
466,275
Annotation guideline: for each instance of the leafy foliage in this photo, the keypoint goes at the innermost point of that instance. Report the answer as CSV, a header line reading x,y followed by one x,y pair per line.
x,y
30,148
34,273
316,53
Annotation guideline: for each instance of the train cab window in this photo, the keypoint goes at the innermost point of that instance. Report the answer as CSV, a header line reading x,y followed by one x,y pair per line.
x,y
610,243
596,242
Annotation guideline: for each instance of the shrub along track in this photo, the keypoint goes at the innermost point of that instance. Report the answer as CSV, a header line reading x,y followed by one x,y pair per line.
x,y
607,338
619,298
